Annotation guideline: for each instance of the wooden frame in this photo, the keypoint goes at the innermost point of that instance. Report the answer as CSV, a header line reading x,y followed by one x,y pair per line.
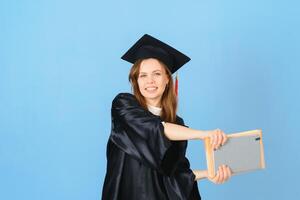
x,y
210,153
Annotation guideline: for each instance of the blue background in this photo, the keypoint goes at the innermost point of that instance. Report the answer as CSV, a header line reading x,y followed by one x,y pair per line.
x,y
60,69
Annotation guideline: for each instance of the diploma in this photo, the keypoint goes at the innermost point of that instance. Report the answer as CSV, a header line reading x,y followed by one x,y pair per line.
x,y
242,152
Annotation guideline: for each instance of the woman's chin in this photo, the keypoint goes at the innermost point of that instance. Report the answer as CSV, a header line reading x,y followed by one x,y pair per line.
x,y
151,95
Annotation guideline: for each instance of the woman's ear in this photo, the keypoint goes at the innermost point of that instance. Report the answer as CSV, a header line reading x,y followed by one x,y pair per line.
x,y
168,79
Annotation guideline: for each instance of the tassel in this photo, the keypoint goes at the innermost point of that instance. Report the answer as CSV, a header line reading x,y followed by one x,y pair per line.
x,y
176,85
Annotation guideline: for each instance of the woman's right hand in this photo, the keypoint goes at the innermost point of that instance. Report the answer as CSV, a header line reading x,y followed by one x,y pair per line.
x,y
217,138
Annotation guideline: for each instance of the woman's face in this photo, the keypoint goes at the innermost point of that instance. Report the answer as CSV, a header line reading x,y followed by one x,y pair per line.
x,y
152,80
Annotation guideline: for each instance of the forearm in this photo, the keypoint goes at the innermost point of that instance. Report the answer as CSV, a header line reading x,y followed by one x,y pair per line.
x,y
177,132
200,174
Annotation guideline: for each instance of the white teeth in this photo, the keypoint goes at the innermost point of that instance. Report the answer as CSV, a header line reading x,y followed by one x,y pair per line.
x,y
151,88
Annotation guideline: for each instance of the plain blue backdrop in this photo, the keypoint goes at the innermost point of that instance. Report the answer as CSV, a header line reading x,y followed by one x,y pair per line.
x,y
60,68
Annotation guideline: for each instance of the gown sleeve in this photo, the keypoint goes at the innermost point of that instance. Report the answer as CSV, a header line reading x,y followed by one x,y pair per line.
x,y
183,168
175,153
182,183
138,132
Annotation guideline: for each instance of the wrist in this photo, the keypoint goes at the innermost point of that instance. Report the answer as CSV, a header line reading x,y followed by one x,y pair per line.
x,y
205,174
202,134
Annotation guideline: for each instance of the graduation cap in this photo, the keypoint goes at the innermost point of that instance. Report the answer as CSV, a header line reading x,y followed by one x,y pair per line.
x,y
150,47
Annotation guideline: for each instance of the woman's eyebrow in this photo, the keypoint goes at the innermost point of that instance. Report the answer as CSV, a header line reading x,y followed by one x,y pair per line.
x,y
151,72
158,70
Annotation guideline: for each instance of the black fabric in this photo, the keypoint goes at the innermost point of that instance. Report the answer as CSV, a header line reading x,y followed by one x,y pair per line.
x,y
142,164
149,47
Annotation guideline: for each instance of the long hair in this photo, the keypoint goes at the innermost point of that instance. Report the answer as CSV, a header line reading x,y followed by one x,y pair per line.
x,y
168,100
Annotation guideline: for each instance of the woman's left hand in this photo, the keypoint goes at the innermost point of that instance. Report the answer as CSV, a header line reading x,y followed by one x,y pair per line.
x,y
223,175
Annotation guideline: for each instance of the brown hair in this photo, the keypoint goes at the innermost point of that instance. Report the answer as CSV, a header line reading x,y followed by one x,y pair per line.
x,y
168,100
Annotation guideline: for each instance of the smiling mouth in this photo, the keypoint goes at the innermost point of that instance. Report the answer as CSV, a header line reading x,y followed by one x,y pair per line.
x,y
150,89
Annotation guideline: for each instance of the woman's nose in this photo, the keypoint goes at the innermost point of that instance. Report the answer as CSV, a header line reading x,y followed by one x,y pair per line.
x,y
150,79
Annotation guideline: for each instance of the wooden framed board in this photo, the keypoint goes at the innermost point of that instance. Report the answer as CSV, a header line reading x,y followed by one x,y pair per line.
x,y
242,152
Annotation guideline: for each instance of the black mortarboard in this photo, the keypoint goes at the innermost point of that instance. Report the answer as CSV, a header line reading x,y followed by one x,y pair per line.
x,y
150,47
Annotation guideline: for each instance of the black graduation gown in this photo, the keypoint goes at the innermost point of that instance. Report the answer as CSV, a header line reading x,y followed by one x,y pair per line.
x,y
142,163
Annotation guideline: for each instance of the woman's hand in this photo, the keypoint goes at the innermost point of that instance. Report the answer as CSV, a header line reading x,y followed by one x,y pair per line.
x,y
223,174
217,138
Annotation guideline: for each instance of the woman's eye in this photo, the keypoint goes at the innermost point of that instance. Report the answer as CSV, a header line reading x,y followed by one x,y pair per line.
x,y
142,76
157,74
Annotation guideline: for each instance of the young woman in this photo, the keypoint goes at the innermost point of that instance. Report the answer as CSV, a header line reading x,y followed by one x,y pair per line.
x,y
146,149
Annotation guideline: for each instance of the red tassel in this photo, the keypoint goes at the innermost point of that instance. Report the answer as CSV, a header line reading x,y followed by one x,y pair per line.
x,y
176,85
